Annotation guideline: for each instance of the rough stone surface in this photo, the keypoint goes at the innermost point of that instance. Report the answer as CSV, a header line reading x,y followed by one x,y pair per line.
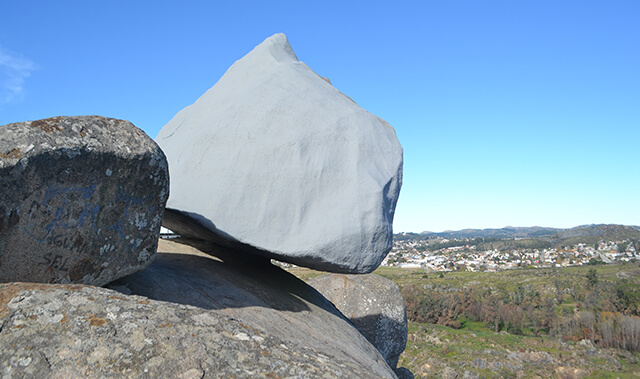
x,y
273,160
375,307
404,373
570,373
81,200
449,373
203,318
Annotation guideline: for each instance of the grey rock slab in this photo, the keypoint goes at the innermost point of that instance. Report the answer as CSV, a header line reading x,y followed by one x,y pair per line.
x,y
375,307
480,363
271,304
199,318
78,331
81,200
275,161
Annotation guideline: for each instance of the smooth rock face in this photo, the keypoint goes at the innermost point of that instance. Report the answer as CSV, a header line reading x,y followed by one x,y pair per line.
x,y
203,318
81,200
375,307
275,161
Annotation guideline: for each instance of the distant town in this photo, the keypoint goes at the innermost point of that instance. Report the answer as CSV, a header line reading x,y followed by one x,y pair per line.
x,y
438,254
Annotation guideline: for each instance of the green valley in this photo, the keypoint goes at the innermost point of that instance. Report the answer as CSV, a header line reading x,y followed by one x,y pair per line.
x,y
566,322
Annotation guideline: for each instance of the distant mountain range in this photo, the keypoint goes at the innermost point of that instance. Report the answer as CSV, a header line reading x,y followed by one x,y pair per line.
x,y
506,232
609,231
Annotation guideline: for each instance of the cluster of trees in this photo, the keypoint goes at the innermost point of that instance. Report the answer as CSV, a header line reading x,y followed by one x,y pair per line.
x,y
604,312
516,314
606,329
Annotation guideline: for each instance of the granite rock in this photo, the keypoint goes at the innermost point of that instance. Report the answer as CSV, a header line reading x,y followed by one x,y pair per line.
x,y
275,161
375,307
404,373
82,200
198,318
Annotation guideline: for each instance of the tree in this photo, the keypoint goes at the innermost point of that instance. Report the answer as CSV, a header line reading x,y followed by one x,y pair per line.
x,y
412,297
489,312
519,295
629,296
594,261
559,285
592,277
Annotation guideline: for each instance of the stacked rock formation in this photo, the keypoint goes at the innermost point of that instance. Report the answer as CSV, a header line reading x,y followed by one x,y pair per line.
x,y
81,200
274,161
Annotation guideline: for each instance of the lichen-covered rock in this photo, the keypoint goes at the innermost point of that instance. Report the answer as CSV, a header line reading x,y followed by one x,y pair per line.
x,y
375,307
81,200
202,319
273,160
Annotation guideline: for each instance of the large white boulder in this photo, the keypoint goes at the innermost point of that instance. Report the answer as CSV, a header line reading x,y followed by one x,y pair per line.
x,y
277,161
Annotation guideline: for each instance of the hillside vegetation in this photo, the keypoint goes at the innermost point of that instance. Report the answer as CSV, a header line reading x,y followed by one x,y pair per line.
x,y
564,322
532,320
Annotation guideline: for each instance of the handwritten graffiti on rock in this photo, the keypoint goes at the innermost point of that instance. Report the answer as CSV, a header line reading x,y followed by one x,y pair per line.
x,y
70,217
66,217
119,226
58,262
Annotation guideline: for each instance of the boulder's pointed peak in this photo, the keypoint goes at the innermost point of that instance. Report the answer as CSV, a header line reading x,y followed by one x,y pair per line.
x,y
275,47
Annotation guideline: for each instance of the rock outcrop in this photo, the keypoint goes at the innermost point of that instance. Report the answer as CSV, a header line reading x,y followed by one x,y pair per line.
x,y
82,200
274,161
375,307
198,318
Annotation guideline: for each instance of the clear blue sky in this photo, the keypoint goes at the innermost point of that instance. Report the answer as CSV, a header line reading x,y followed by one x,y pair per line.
x,y
515,113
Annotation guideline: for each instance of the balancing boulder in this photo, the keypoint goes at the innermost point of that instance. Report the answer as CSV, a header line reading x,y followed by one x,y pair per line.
x,y
273,160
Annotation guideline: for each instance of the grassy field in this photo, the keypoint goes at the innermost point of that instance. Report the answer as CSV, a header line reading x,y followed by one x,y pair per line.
x,y
538,279
476,351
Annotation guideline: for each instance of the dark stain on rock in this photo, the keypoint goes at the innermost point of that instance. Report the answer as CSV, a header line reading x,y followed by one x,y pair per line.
x,y
9,221
48,125
14,219
81,269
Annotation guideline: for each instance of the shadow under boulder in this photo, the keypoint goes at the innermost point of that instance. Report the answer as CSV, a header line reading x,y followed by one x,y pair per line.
x,y
198,317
